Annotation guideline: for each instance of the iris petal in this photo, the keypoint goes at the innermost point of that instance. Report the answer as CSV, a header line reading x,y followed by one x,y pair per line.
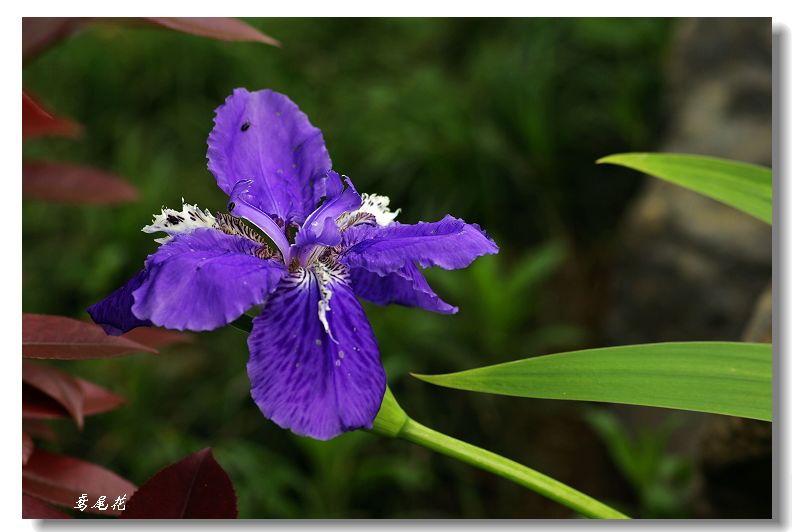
x,y
450,244
263,136
302,378
114,313
204,280
406,286
320,227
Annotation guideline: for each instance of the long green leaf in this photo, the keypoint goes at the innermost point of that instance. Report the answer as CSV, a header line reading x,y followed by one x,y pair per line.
x,y
747,187
732,378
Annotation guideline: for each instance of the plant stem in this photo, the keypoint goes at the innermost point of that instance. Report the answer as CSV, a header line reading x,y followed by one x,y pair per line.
x,y
393,422
509,469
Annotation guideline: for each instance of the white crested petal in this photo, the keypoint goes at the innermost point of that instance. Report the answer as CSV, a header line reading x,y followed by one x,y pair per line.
x,y
377,206
173,222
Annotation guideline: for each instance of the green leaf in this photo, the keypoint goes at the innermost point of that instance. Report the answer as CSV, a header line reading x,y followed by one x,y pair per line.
x,y
747,187
731,378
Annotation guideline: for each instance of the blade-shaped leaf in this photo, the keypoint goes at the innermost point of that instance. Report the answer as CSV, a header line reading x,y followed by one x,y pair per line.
x,y
732,378
49,393
58,385
61,480
38,121
33,508
68,183
224,29
40,33
37,405
193,488
747,187
27,447
45,336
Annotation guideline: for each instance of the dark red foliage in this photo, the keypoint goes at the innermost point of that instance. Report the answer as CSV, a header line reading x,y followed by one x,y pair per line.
x,y
27,447
61,480
224,29
193,488
68,183
33,508
38,121
48,392
58,337
40,33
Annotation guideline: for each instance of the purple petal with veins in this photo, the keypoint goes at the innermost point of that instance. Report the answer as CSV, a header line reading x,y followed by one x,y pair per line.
x,y
301,378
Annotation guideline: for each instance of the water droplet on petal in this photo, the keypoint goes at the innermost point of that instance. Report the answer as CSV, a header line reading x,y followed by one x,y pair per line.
x,y
318,341
338,362
340,354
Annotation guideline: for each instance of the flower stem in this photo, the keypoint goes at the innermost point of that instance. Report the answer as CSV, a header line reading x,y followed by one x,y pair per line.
x,y
508,469
392,421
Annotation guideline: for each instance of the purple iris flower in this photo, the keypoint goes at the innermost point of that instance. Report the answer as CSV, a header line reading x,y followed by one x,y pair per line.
x,y
317,246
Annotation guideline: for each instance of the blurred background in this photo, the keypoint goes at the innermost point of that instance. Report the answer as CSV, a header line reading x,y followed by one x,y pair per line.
x,y
496,121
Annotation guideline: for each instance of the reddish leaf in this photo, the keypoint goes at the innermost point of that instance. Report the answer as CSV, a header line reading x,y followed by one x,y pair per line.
x,y
58,385
39,33
37,428
66,183
38,121
63,394
61,480
193,488
224,29
38,405
27,447
96,399
63,338
32,508
156,338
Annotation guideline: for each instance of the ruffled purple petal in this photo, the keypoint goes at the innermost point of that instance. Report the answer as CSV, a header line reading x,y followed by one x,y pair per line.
x,y
320,226
406,286
114,313
204,280
450,244
302,378
263,136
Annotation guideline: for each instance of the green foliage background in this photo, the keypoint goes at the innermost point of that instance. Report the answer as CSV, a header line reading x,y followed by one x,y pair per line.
x,y
495,121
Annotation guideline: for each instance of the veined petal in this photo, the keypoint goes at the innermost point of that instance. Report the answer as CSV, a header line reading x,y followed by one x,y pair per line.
x,y
320,226
263,136
407,286
450,244
304,379
203,280
114,313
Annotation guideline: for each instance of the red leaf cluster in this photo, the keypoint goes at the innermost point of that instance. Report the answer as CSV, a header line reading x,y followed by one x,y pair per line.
x,y
196,487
